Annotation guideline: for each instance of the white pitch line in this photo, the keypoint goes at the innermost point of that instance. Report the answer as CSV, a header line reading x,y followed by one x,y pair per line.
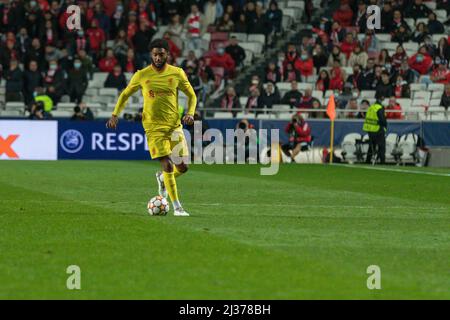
x,y
393,170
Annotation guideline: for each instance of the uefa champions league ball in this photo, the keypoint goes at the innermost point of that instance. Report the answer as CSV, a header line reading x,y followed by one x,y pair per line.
x,y
158,206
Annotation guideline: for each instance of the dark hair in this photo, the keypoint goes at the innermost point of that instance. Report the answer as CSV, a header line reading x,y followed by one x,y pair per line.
x,y
159,43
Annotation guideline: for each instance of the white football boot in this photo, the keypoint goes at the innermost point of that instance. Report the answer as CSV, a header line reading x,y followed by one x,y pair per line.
x,y
179,212
161,187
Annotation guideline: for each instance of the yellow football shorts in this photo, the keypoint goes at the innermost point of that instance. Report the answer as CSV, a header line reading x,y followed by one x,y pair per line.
x,y
163,143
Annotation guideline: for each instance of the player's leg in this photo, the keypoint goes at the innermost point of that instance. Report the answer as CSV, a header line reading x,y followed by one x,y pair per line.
x,y
171,185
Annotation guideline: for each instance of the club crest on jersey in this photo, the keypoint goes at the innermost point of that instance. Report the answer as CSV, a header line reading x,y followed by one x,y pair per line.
x,y
170,81
147,82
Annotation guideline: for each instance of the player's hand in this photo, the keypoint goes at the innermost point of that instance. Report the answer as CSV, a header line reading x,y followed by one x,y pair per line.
x,y
112,122
188,120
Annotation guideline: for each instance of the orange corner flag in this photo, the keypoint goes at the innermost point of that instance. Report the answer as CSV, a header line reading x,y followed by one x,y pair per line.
x,y
331,108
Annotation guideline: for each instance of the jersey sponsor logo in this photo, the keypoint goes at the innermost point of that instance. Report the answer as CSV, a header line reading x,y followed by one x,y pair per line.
x,y
71,141
160,93
6,146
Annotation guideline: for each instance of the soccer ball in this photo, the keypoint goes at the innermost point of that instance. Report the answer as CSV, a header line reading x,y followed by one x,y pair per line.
x,y
158,206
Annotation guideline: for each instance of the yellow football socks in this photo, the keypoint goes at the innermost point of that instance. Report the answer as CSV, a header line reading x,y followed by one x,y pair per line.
x,y
171,185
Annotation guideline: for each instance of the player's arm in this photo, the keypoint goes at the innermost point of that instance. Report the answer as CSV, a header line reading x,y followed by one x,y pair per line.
x,y
185,86
132,87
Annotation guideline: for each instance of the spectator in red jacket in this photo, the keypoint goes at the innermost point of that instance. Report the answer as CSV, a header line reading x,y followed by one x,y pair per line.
x,y
305,65
299,136
337,79
421,62
398,57
107,63
175,52
441,74
291,56
393,105
223,60
343,15
348,45
96,37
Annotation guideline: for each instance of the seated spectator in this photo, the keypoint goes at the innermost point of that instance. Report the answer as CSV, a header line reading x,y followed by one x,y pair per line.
x,y
32,80
241,25
176,30
343,15
323,82
398,22
55,81
407,74
355,78
417,10
352,108
190,58
14,82
131,64
320,58
272,73
383,58
274,16
225,24
236,52
393,105
337,55
316,106
344,97
441,74
358,56
116,79
86,62
306,101
421,62
230,101
43,99
337,33
401,87
337,79
401,35
195,23
291,56
385,88
213,11
223,60
398,57
434,26
107,63
175,51
255,84
270,96
299,136
429,46
254,101
194,79
364,106
305,65
291,74
77,82
445,99
420,33
443,49
348,45
293,96
96,37
370,43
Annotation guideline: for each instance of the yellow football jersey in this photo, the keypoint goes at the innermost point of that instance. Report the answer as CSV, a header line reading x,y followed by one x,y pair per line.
x,y
160,92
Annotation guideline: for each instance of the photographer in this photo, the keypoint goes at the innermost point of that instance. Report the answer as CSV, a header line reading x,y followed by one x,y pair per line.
x,y
245,126
37,112
299,136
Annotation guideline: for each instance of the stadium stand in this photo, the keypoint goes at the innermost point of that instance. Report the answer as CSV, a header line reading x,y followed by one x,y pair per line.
x,y
259,27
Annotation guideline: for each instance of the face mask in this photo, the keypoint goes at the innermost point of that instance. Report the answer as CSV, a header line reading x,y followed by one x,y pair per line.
x,y
32,3
419,58
221,51
304,57
355,94
77,65
388,66
119,8
53,66
255,82
80,33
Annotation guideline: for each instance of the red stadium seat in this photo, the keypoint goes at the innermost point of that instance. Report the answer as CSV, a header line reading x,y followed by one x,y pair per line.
x,y
219,36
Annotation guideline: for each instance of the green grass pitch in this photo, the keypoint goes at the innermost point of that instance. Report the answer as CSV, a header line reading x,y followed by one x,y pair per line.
x,y
309,232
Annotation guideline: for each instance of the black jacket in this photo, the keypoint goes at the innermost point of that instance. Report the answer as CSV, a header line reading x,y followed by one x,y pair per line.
x,y
292,98
14,80
237,53
118,82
